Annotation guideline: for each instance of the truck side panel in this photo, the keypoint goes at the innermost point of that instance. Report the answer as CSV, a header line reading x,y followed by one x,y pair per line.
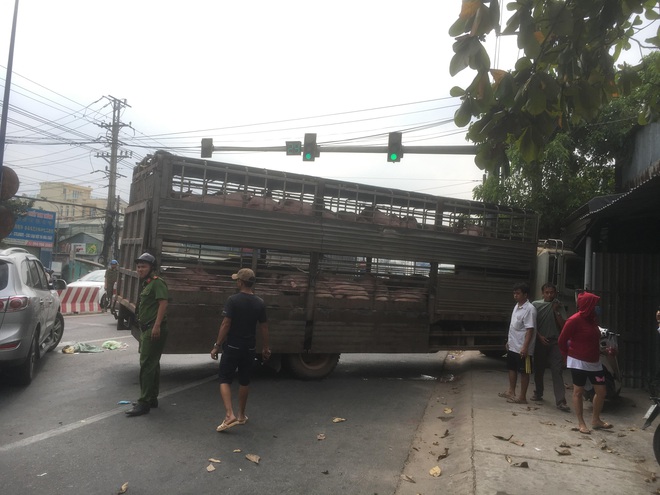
x,y
343,267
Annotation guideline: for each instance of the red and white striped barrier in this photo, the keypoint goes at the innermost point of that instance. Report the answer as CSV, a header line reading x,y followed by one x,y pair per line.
x,y
80,300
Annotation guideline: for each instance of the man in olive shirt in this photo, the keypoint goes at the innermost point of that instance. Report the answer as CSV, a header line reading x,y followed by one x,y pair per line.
x,y
152,320
550,318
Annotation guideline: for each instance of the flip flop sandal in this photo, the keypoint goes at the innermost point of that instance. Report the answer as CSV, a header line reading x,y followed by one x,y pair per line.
x,y
563,407
225,426
516,400
504,395
604,426
242,421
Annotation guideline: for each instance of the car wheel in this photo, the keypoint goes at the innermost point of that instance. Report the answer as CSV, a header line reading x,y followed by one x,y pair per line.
x,y
57,332
104,301
23,373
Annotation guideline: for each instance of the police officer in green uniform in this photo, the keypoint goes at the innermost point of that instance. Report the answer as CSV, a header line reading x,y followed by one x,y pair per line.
x,y
152,320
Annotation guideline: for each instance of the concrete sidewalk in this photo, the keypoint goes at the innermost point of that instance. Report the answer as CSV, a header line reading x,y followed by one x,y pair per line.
x,y
465,416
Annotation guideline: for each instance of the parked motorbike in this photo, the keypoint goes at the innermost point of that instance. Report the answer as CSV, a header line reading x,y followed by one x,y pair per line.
x,y
650,415
609,350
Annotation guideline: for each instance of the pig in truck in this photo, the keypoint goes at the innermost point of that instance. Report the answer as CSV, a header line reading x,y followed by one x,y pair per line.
x,y
343,267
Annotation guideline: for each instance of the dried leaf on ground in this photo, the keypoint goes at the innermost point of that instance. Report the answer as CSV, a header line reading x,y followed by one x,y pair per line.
x,y
514,414
508,459
435,472
548,423
565,445
522,464
532,408
563,451
447,410
213,459
444,455
253,457
407,478
338,420
123,488
445,434
210,468
320,436
236,451
506,439
517,442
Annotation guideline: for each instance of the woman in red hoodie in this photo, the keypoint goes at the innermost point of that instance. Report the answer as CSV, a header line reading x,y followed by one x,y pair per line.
x,y
579,342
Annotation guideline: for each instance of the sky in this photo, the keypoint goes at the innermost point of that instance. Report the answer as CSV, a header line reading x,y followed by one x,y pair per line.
x,y
248,73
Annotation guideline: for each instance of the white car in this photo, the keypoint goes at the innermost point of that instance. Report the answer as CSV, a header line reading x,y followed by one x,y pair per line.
x,y
93,279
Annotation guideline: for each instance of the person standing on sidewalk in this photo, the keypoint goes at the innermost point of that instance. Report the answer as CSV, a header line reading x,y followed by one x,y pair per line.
x,y
151,311
550,319
520,345
579,341
242,313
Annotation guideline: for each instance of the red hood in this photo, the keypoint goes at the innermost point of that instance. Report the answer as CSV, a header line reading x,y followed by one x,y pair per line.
x,y
586,303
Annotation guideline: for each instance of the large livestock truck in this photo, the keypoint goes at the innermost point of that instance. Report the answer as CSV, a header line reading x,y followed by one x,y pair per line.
x,y
343,267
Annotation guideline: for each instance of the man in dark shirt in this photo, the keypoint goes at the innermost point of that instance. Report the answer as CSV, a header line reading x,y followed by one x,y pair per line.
x,y
237,336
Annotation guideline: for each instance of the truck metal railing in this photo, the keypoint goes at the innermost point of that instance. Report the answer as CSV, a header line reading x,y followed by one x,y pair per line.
x,y
236,186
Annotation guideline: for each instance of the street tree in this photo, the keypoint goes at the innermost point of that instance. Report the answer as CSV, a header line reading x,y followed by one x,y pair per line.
x,y
565,75
579,162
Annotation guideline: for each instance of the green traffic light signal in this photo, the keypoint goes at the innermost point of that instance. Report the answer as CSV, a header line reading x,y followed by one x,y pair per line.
x,y
394,147
310,149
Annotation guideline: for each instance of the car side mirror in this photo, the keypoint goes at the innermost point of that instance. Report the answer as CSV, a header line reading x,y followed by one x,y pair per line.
x,y
59,284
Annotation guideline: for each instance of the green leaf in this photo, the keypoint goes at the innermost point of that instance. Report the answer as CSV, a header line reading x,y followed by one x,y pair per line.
x,y
463,114
458,62
456,91
459,27
528,148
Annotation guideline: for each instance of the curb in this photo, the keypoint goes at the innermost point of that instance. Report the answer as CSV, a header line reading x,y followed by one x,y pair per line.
x,y
440,430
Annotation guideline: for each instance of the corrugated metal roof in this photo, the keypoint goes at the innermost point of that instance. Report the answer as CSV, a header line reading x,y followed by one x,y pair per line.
x,y
644,199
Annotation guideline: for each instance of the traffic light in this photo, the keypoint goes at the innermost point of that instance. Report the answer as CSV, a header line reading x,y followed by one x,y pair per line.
x,y
207,147
394,147
310,149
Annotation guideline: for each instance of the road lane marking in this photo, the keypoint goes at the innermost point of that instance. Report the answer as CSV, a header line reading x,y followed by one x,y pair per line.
x,y
94,419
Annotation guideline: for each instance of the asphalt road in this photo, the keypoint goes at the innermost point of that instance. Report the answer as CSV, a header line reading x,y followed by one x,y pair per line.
x,y
67,434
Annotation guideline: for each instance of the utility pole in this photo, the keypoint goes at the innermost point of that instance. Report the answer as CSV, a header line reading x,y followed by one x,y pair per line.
x,y
114,127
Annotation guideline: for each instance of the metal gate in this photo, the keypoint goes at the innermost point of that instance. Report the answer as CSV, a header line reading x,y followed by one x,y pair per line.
x,y
629,285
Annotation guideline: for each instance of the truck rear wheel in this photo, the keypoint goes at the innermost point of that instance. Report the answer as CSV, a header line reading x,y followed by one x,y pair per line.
x,y
123,318
311,366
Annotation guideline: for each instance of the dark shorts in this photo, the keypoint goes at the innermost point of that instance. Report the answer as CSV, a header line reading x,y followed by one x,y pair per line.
x,y
580,377
515,363
235,360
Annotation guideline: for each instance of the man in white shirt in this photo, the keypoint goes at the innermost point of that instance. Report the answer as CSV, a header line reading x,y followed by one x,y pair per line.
x,y
520,345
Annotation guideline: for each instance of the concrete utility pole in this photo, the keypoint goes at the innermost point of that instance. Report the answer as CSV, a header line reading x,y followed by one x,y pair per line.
x,y
114,127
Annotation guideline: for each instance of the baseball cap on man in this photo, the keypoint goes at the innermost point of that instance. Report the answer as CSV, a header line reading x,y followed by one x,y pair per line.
x,y
244,274
146,258
114,262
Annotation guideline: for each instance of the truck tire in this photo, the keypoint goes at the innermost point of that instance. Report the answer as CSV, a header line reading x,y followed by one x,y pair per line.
x,y
311,366
493,354
656,444
123,318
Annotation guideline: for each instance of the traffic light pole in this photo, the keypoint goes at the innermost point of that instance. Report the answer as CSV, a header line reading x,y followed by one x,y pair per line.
x,y
413,150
